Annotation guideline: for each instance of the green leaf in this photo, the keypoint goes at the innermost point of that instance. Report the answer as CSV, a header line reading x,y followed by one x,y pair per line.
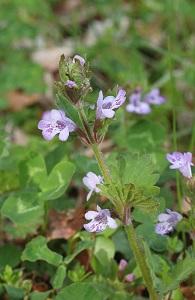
x,y
8,181
135,169
14,292
37,249
82,245
58,279
121,243
9,255
39,295
58,180
156,242
81,291
178,274
143,137
63,69
33,170
145,203
71,110
140,171
23,208
103,243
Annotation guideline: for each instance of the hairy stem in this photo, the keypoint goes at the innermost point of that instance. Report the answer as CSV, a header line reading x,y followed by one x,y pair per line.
x,y
130,231
84,122
139,255
101,163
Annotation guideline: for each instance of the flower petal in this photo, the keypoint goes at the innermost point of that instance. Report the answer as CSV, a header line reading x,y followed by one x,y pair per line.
x,y
163,217
186,170
89,195
94,226
46,115
64,134
163,228
91,214
80,59
43,124
112,223
49,134
56,115
99,105
108,113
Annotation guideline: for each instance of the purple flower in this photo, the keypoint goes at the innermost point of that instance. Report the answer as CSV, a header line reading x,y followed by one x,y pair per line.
x,y
91,180
167,222
130,277
106,106
122,265
71,84
80,59
154,97
55,122
182,162
100,220
136,105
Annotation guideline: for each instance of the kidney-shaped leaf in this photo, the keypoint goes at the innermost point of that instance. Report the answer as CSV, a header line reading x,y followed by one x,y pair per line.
x,y
58,180
23,209
81,291
37,249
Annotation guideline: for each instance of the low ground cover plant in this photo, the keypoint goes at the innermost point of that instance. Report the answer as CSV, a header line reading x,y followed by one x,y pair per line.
x,y
97,180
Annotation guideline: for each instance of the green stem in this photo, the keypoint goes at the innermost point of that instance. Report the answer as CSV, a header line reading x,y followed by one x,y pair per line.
x,y
133,240
101,163
139,254
192,142
85,124
174,118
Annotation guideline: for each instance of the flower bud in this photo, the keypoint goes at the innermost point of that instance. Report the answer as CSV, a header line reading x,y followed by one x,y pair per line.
x,y
74,78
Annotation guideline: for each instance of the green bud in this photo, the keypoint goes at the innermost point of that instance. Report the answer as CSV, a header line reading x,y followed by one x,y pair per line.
x,y
74,78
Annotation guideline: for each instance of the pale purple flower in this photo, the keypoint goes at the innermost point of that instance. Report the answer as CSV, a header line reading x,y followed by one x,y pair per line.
x,y
182,162
55,122
106,106
100,220
163,228
71,84
154,97
80,59
122,265
91,180
136,105
130,277
167,222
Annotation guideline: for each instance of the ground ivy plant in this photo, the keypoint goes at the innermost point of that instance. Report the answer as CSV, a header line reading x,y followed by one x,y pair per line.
x,y
127,180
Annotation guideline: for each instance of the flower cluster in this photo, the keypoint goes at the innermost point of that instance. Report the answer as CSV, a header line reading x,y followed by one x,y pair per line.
x,y
182,162
167,222
140,104
55,122
74,81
